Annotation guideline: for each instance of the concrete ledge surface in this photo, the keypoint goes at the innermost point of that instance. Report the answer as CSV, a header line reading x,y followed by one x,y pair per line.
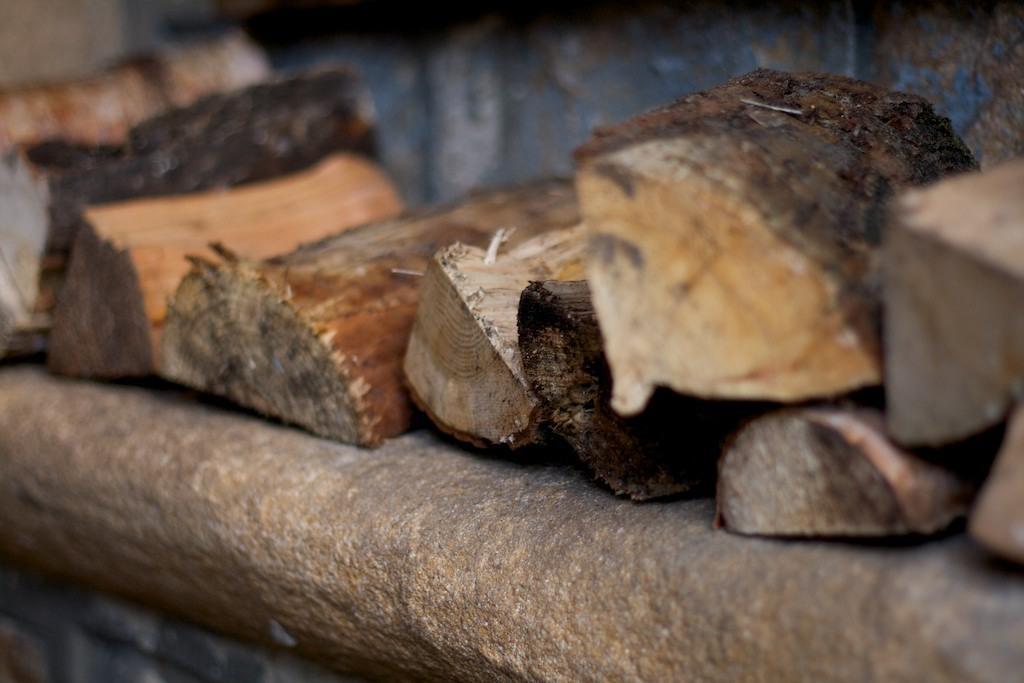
x,y
419,560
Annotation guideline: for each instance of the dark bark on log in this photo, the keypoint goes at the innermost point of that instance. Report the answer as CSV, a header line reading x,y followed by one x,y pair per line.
x,y
734,234
670,448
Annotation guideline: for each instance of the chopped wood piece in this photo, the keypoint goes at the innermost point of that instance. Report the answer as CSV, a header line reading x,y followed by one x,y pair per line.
x,y
463,364
997,520
954,306
670,448
225,140
831,472
23,204
129,257
102,109
316,337
733,234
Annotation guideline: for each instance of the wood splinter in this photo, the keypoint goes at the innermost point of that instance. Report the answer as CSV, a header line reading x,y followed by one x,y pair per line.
x,y
831,472
316,337
997,520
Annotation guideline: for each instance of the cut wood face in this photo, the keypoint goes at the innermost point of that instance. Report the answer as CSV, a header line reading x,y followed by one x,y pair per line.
x,y
24,201
463,364
954,295
733,244
997,521
131,256
316,337
831,472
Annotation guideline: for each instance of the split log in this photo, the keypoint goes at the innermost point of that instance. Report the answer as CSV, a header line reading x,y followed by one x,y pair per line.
x,y
733,234
463,364
670,448
997,521
831,472
316,337
101,110
130,257
258,133
954,306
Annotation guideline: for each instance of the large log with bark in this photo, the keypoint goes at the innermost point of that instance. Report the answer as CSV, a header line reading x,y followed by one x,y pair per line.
x,y
997,520
832,472
954,306
670,448
263,131
422,562
102,109
734,234
129,257
463,364
316,337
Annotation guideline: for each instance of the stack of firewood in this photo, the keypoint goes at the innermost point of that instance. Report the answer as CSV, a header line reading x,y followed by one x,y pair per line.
x,y
716,303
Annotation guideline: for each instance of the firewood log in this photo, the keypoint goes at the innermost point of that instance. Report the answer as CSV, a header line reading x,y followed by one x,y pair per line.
x,y
997,520
670,448
832,472
102,109
224,140
954,306
734,234
316,337
463,364
129,257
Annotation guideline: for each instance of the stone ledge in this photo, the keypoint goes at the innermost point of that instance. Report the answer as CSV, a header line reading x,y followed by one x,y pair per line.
x,y
422,561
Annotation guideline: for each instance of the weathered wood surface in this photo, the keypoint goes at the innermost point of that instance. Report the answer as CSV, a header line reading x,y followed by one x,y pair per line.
x,y
316,337
954,306
258,133
997,520
463,364
672,447
130,257
102,109
420,561
832,472
734,234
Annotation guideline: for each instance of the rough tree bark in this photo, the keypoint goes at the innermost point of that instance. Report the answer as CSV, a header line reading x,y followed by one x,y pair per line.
x,y
224,140
129,257
316,337
102,109
734,233
463,363
831,472
670,448
997,521
954,306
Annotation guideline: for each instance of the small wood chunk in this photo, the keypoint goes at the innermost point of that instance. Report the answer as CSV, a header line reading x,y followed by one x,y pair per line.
x,y
954,306
130,257
831,472
258,133
997,520
101,110
316,337
670,448
733,234
463,364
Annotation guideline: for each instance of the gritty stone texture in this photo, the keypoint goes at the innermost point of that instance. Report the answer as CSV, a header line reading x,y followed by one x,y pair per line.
x,y
419,560
967,58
